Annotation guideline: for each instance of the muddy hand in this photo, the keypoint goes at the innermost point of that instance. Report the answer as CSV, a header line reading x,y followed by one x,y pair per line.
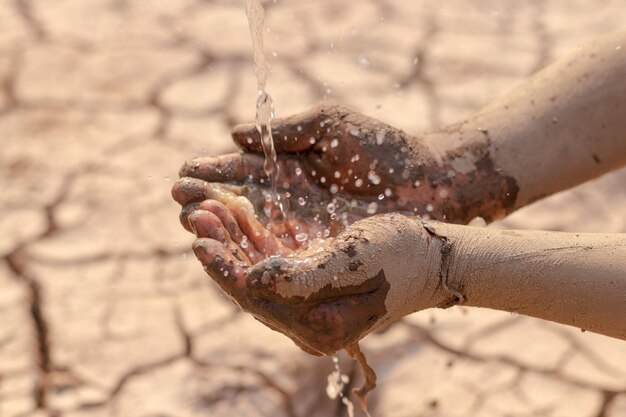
x,y
328,296
330,154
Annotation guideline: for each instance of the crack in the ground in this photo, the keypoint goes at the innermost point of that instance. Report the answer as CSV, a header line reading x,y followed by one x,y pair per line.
x,y
424,334
417,72
26,12
287,400
607,399
17,264
127,378
541,35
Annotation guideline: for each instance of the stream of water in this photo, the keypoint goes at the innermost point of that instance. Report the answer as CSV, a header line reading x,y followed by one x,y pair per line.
x,y
275,212
264,107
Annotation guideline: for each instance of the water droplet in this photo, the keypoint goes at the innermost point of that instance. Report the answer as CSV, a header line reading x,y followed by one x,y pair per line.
x,y
299,128
363,62
225,273
334,188
301,237
372,208
331,208
334,143
249,140
381,196
337,174
443,193
388,192
380,137
298,171
301,201
417,183
244,242
373,178
477,222
323,180
358,182
312,141
429,207
326,233
354,132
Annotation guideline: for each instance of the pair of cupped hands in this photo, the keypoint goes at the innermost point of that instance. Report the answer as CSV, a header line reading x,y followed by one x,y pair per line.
x,y
321,297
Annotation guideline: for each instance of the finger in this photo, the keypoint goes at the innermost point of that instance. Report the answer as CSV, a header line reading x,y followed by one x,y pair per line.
x,y
223,267
235,167
230,223
184,215
264,241
297,133
208,225
192,190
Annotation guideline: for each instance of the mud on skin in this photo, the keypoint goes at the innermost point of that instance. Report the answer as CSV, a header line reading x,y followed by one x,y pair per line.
x,y
327,321
328,155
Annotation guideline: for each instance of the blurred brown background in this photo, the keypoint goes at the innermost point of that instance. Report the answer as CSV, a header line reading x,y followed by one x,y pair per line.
x,y
103,309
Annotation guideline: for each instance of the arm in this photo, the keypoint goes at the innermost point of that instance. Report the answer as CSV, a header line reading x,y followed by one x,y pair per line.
x,y
578,279
381,268
564,126
385,267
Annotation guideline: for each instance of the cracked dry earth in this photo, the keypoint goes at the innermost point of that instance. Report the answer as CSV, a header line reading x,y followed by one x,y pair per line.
x,y
103,309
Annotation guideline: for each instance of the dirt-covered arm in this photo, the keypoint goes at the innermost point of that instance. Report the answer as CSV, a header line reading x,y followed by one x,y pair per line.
x,y
385,267
578,279
564,126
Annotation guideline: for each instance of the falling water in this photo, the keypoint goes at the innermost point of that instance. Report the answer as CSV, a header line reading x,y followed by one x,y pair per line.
x,y
264,116
264,106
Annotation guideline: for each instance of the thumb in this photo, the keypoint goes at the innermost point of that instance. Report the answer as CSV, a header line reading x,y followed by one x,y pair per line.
x,y
293,134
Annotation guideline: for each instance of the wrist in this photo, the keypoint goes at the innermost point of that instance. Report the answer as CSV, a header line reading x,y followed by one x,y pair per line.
x,y
466,182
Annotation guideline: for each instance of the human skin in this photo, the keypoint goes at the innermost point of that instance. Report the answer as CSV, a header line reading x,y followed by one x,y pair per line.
x,y
562,127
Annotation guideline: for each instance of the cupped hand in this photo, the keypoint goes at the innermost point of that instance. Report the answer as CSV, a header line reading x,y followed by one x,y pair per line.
x,y
316,275
331,160
326,295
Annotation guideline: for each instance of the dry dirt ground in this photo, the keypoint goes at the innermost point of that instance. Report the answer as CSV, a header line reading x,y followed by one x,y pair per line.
x,y
103,309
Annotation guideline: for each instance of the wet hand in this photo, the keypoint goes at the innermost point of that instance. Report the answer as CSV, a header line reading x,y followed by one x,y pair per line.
x,y
330,160
323,294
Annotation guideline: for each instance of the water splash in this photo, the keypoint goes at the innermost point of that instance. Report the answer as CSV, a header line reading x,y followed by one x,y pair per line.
x,y
336,384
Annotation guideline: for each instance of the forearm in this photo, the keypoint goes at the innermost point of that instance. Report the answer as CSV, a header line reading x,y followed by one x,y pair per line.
x,y
573,279
564,126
